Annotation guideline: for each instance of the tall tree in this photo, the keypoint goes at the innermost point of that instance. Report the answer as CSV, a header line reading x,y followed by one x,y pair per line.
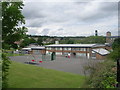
x,y
12,18
116,43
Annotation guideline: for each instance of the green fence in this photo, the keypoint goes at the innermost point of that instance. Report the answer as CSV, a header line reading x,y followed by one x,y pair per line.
x,y
49,57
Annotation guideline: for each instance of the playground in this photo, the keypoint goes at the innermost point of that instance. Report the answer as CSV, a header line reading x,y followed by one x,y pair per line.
x,y
73,64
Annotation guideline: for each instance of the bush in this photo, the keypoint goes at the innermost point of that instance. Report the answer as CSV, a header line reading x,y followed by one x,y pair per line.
x,y
5,68
115,54
103,76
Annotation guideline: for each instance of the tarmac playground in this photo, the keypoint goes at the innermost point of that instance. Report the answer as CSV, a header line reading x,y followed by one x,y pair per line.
x,y
61,63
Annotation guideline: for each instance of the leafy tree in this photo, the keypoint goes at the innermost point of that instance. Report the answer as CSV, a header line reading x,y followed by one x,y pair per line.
x,y
40,40
116,43
116,50
27,41
12,18
70,41
93,39
103,75
85,40
67,41
115,54
32,40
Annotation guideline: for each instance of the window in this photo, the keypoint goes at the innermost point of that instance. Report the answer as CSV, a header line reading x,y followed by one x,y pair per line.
x,y
65,48
57,48
69,48
60,48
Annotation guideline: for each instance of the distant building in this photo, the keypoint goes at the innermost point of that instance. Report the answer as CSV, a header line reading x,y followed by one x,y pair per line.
x,y
108,35
33,48
39,50
110,39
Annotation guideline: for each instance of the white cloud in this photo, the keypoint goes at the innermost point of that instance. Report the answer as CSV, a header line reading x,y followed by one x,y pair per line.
x,y
75,18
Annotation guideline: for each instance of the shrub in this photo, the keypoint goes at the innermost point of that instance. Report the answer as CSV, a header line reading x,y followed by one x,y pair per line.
x,y
5,68
103,76
115,54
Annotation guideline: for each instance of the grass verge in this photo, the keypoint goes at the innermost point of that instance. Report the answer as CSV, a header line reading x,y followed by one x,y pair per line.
x,y
30,76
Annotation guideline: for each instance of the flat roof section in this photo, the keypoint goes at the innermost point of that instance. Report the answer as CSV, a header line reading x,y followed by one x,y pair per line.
x,y
71,45
101,51
34,48
38,48
26,49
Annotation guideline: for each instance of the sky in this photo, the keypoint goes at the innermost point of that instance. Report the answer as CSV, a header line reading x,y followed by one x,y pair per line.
x,y
71,17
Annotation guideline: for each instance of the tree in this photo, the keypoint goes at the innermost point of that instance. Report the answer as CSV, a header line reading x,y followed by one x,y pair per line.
x,y
12,18
116,43
70,41
93,39
27,41
116,49
31,40
40,40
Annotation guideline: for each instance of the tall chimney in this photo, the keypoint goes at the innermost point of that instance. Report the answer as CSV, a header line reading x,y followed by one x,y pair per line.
x,y
96,33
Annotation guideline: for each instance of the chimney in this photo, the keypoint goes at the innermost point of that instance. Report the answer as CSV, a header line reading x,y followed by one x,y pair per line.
x,y
96,33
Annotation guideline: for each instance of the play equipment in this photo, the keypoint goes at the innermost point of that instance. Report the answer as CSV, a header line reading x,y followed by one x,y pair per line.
x,y
37,59
34,59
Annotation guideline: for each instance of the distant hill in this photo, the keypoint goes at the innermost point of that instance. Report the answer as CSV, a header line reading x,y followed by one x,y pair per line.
x,y
69,39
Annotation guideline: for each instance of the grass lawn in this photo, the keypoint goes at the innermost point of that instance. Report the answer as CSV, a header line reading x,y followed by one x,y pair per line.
x,y
11,54
30,76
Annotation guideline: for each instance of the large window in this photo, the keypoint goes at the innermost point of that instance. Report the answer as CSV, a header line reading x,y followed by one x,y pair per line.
x,y
49,48
77,49
60,48
65,48
52,48
57,48
88,49
36,51
74,49
69,48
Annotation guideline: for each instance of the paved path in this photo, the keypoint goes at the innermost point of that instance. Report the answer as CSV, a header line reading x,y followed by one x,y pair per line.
x,y
73,64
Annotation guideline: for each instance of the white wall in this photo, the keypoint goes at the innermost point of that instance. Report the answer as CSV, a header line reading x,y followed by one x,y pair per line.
x,y
58,53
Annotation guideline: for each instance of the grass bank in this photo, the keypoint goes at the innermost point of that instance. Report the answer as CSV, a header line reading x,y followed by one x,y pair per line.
x,y
30,76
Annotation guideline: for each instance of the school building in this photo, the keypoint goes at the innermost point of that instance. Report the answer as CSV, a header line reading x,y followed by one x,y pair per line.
x,y
97,51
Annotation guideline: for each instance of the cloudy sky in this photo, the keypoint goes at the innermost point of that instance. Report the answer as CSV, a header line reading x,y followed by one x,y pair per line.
x,y
71,17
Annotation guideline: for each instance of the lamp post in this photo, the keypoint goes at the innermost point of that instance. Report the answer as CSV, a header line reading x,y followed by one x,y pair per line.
x,y
118,72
